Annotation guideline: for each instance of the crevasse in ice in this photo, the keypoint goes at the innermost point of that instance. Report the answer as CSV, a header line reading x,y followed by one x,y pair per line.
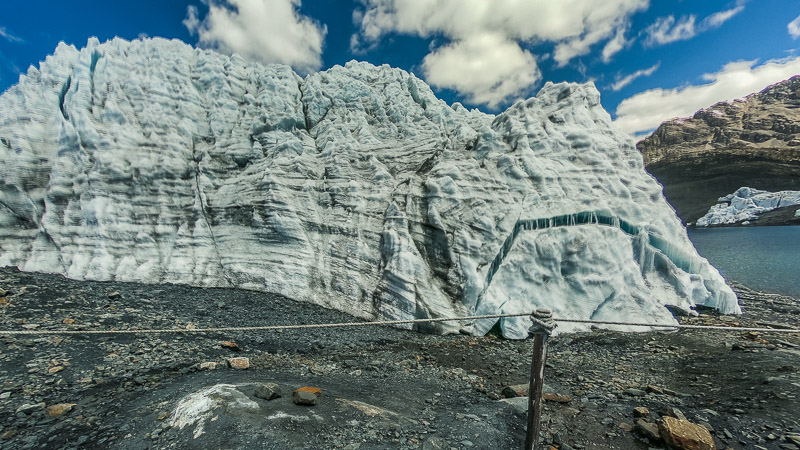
x,y
354,188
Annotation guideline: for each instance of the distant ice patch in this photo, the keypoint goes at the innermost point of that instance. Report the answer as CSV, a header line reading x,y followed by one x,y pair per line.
x,y
747,204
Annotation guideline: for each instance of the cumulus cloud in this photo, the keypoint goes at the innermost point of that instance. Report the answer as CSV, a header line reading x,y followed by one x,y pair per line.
x,y
668,29
646,110
794,28
10,37
487,68
269,31
628,79
573,27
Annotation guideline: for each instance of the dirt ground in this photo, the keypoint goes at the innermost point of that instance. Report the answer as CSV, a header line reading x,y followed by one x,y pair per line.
x,y
381,387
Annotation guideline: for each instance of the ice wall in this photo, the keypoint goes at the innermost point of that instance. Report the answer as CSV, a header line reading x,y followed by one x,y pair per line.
x,y
354,188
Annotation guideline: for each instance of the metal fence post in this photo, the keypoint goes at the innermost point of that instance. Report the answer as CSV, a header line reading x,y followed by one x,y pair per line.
x,y
542,326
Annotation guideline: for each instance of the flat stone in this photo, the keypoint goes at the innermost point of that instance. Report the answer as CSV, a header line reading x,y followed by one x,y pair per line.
x,y
267,391
230,345
59,409
648,430
240,363
114,295
208,365
558,398
641,411
633,392
306,396
28,408
681,434
624,426
68,321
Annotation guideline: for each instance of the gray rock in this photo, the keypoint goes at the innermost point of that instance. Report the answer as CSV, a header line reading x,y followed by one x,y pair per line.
x,y
304,397
647,429
633,392
434,443
267,391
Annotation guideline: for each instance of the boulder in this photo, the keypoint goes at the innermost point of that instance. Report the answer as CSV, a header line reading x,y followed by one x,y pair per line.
x,y
682,434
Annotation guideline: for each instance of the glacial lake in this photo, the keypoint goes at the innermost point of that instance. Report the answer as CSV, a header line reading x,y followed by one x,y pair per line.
x,y
763,258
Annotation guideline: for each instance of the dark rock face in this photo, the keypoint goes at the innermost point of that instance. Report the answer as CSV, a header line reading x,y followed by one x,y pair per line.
x,y
750,142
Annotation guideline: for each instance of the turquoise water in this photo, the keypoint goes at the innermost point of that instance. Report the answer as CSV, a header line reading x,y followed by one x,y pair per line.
x,y
763,258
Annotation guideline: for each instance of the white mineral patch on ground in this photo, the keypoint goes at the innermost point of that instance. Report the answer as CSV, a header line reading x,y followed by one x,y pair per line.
x,y
747,204
198,407
354,188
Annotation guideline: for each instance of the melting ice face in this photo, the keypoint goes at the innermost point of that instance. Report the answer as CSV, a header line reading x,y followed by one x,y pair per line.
x,y
354,188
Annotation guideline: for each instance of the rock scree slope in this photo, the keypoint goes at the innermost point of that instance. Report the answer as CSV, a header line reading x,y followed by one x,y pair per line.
x,y
354,188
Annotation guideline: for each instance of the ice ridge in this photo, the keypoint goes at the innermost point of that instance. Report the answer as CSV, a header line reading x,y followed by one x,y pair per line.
x,y
354,188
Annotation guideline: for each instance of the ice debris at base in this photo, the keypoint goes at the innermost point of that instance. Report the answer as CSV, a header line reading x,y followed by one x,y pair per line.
x,y
747,204
354,188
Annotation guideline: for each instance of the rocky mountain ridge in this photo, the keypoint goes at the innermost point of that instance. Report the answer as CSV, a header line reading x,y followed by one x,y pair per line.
x,y
354,188
751,142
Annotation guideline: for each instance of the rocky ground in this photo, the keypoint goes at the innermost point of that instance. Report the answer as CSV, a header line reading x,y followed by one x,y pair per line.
x,y
380,387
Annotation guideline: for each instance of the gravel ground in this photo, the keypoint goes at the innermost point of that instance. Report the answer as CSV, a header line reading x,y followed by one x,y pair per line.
x,y
381,387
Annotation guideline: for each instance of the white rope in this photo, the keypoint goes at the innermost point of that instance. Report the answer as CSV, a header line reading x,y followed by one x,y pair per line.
x,y
387,322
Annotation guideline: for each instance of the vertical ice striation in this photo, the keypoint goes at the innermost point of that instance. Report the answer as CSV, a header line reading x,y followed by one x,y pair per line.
x,y
354,188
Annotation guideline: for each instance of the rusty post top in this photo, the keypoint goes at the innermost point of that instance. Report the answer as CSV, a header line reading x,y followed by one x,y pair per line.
x,y
543,322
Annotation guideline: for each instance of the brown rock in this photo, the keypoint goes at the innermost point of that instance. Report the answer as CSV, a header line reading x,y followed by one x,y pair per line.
x,y
55,369
240,363
114,295
68,321
517,390
208,365
681,434
624,426
230,345
641,411
558,398
59,409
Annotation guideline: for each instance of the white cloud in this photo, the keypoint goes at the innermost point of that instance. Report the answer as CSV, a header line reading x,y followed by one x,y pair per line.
x,y
615,45
646,110
668,29
572,26
269,31
794,28
718,18
487,68
9,36
624,81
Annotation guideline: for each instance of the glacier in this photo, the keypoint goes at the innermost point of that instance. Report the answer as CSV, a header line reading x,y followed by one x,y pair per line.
x,y
747,204
354,188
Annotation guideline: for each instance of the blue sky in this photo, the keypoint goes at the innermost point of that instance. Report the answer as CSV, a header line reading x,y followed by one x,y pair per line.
x,y
651,60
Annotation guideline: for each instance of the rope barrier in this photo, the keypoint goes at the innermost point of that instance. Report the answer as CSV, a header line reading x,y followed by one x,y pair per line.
x,y
385,323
